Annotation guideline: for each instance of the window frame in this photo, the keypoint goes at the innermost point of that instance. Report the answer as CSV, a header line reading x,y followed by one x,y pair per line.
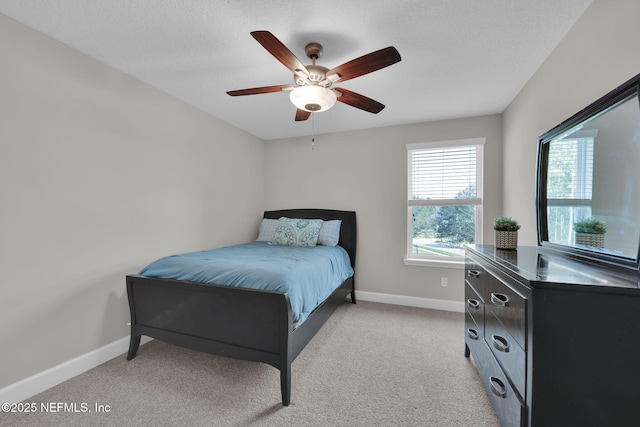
x,y
441,260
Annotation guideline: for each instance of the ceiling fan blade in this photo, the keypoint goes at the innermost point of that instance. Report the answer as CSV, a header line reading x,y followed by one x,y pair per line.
x,y
279,51
258,90
302,115
365,64
359,101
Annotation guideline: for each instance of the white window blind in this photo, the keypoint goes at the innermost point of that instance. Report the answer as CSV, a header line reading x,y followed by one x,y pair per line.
x,y
451,171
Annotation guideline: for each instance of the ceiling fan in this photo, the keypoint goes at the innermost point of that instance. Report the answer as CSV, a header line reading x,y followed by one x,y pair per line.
x,y
312,91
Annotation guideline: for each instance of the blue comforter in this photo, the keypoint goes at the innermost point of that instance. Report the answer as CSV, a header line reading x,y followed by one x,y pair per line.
x,y
308,275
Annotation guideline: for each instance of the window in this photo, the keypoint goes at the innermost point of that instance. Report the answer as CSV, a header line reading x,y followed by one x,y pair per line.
x,y
569,185
444,204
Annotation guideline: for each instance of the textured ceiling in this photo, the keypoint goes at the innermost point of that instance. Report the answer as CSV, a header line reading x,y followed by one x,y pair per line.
x,y
460,58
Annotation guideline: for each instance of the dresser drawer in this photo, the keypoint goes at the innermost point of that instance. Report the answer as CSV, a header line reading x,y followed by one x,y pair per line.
x,y
473,335
507,352
505,401
507,305
474,274
474,304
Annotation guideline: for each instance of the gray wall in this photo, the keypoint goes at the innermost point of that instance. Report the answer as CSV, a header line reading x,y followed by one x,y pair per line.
x,y
99,175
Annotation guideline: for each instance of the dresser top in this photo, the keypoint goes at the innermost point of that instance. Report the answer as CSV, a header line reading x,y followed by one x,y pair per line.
x,y
536,267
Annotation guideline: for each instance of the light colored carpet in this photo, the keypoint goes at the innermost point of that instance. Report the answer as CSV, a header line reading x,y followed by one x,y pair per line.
x,y
370,365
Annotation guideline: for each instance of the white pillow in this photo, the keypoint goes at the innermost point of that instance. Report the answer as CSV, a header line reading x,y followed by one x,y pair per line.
x,y
267,230
330,233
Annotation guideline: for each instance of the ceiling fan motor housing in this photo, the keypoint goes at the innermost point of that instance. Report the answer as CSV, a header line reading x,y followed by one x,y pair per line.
x,y
317,75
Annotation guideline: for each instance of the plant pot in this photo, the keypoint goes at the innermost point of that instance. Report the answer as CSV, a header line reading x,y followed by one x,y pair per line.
x,y
586,239
507,240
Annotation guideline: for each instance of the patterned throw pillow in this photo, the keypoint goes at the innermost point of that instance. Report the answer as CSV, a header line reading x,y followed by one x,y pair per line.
x,y
297,232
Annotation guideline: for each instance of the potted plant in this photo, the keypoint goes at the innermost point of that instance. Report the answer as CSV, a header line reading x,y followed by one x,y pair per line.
x,y
506,232
590,232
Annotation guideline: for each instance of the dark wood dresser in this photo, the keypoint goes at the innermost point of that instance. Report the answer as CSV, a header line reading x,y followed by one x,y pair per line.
x,y
556,341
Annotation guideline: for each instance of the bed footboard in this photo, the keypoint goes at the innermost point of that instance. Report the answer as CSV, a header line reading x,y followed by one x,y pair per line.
x,y
233,322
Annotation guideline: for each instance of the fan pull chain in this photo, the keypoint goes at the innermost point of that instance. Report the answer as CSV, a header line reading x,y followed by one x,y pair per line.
x,y
313,131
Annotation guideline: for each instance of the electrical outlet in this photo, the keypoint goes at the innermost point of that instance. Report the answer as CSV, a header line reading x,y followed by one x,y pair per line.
x,y
443,282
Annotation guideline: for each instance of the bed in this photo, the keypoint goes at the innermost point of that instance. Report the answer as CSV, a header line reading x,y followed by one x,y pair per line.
x,y
243,323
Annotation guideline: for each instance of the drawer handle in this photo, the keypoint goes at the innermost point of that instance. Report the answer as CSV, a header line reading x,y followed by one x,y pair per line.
x,y
497,387
500,343
473,273
501,300
473,334
472,303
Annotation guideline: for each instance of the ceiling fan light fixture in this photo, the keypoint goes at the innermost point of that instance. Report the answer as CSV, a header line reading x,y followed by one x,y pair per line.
x,y
313,98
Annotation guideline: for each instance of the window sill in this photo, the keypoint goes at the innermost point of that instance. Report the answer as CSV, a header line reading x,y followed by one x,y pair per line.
x,y
457,263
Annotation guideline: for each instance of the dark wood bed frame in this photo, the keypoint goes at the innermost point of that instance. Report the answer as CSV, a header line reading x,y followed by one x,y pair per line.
x,y
246,324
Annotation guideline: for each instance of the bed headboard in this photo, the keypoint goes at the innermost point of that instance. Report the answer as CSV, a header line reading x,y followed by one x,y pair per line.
x,y
348,229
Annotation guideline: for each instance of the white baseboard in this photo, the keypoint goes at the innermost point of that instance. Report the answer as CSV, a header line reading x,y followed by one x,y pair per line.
x,y
51,377
434,304
44,380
